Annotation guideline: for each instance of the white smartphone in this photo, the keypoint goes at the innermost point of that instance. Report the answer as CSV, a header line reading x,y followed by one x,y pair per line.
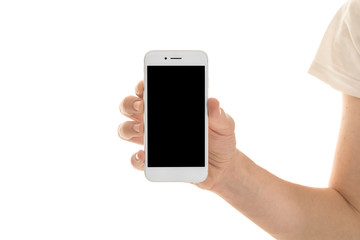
x,y
176,121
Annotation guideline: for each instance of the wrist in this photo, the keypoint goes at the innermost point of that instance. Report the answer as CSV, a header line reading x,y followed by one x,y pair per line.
x,y
235,175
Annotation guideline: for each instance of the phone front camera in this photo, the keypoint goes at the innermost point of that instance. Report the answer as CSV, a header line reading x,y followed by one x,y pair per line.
x,y
165,58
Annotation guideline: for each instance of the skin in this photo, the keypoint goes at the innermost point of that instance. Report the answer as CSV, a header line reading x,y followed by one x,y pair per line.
x,y
283,209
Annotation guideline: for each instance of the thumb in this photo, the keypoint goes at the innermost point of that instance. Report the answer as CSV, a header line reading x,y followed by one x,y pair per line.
x,y
219,121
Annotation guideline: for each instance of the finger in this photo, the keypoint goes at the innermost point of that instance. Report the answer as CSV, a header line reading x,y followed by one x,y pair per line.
x,y
139,89
213,108
132,107
219,121
138,160
132,131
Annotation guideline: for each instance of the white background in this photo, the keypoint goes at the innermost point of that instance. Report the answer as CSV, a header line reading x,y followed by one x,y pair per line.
x,y
66,65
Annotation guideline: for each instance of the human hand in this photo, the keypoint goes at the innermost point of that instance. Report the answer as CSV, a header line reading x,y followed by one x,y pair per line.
x,y
222,143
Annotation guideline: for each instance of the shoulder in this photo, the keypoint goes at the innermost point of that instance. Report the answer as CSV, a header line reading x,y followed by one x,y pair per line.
x,y
337,61
351,13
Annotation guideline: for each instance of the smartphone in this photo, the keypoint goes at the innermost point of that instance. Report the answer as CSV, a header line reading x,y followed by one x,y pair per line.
x,y
175,117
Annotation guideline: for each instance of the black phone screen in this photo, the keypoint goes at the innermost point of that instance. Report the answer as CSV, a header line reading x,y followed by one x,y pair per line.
x,y
176,116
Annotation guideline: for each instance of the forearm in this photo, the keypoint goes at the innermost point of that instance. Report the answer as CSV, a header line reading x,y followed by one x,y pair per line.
x,y
286,210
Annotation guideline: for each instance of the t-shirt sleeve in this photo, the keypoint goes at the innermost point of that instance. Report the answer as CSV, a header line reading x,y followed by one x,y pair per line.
x,y
337,61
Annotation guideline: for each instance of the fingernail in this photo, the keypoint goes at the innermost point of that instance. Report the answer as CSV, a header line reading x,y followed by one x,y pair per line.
x,y
137,105
136,127
137,156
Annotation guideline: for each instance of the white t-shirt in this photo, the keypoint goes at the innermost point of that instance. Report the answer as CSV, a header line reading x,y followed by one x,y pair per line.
x,y
337,61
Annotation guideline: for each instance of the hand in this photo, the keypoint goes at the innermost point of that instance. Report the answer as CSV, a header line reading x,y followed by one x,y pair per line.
x,y
222,143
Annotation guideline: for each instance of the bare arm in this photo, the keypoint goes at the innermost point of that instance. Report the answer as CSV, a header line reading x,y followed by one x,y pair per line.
x,y
283,209
290,211
345,176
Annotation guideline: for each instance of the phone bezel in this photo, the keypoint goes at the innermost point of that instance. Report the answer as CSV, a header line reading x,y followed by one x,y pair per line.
x,y
181,57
